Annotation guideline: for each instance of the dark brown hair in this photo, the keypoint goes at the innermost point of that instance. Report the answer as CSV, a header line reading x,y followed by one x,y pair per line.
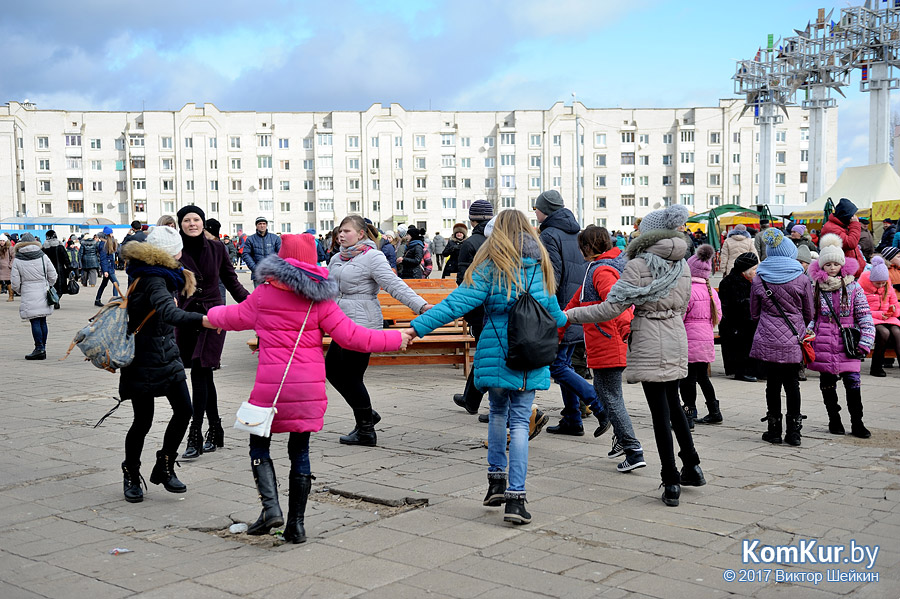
x,y
594,240
360,225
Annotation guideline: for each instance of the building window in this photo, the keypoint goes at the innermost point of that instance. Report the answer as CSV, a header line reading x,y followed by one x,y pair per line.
x,y
804,134
214,185
137,162
687,158
507,159
188,142
627,157
264,161
213,143
97,186
420,142
237,207
166,163
168,185
44,164
508,182
627,137
599,203
780,178
489,141
421,182
323,139
507,139
644,160
686,179
628,200
326,225
285,206
780,157
489,162
285,227
309,163
353,141
715,180
735,158
326,183
644,138
328,162
735,179
234,142
599,140
326,205
643,201
507,202
600,160
447,203
448,161
309,206
352,164
627,220
779,198
419,163
667,138
557,182
308,185
781,136
139,184
687,136
95,143
465,163
490,183
715,158
600,181
284,185
715,200
352,184
73,141
644,180
189,185
448,139
715,137
667,159
465,142
136,141
534,183
43,143
98,208
628,180
284,144
687,199
398,183
376,184
667,180
803,176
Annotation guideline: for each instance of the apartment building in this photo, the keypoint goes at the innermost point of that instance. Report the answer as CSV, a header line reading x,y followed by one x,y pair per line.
x,y
305,170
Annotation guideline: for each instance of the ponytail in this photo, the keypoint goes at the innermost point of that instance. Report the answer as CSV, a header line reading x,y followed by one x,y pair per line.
x,y
712,304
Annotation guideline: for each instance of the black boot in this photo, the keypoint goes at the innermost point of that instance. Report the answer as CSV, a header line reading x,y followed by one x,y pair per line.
x,y
132,482
496,489
164,473
194,447
854,406
297,495
215,436
690,413
830,397
37,354
470,398
773,435
266,485
714,416
364,433
794,425
877,368
515,511
671,494
376,418
692,476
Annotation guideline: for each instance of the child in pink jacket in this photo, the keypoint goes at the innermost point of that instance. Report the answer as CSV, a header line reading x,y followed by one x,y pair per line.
x,y
294,287
703,313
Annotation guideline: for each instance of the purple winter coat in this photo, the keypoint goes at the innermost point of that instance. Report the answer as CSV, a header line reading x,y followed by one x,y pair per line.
x,y
774,341
698,322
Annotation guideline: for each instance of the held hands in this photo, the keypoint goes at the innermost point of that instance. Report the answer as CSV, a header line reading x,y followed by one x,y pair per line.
x,y
209,325
426,308
408,335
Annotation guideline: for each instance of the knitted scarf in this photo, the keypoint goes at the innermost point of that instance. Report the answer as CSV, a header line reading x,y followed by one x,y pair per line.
x,y
355,250
834,283
665,276
779,269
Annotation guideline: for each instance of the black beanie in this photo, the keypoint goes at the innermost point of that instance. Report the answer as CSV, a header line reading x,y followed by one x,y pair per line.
x,y
189,209
845,210
213,226
745,261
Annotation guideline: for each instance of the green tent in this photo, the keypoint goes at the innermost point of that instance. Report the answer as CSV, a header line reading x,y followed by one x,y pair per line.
x,y
711,219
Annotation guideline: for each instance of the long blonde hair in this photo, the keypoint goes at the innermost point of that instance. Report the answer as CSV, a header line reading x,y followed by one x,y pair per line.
x,y
504,250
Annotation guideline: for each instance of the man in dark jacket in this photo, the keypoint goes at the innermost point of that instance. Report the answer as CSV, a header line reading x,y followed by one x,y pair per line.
x,y
866,241
887,235
559,234
136,233
259,245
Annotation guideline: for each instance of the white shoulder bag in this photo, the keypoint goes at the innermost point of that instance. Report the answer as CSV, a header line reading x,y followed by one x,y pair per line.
x,y
257,420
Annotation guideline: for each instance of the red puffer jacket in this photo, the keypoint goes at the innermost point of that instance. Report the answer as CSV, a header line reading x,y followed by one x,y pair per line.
x,y
606,342
849,236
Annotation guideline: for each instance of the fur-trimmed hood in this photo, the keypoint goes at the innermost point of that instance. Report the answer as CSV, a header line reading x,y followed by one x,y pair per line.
x,y
827,283
738,233
672,245
141,251
21,247
306,280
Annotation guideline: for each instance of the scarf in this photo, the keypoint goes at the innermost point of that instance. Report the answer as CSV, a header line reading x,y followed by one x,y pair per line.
x,y
353,251
176,277
834,283
779,269
665,276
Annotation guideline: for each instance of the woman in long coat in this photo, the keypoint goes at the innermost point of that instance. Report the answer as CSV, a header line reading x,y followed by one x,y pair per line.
x,y
736,329
31,277
60,259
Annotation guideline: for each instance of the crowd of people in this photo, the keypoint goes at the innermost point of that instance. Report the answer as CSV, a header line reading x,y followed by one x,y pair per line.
x,y
641,305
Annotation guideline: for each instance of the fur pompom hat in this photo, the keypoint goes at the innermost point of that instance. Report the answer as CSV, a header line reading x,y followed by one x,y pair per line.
x,y
830,250
671,218
701,262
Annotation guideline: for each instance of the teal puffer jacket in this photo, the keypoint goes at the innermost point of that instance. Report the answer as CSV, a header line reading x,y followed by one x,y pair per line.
x,y
490,355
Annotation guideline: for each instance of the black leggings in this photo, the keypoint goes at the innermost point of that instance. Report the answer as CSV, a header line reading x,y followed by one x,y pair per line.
x,y
886,335
205,398
180,400
787,376
345,370
697,375
665,409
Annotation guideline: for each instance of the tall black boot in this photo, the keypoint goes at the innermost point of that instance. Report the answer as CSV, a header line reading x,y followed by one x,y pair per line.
x,y
376,418
132,482
854,406
215,436
794,425
194,447
714,416
773,435
364,433
164,473
267,486
830,397
877,368
690,413
297,495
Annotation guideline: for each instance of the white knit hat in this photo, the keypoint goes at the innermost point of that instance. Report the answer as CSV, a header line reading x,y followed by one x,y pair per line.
x,y
671,218
166,238
3,237
830,250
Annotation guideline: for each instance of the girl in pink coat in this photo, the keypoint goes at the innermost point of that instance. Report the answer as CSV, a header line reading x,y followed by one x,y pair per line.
x,y
885,309
294,286
703,313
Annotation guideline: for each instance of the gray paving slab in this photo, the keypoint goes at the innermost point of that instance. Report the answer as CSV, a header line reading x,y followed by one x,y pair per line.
x,y
596,532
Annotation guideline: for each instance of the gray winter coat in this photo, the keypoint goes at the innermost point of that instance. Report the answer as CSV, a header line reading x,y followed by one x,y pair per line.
x,y
359,280
657,348
438,244
32,275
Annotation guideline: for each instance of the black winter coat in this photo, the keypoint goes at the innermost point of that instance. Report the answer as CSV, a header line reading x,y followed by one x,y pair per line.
x,y
737,328
88,254
60,259
210,266
411,266
451,252
468,249
157,362
559,234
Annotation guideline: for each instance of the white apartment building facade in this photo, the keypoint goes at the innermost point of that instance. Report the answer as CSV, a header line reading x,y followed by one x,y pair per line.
x,y
305,170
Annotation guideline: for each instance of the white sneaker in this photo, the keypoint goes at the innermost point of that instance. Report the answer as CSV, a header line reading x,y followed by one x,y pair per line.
x,y
617,449
631,463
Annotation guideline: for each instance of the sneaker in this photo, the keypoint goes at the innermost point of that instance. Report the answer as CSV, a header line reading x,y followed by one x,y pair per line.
x,y
632,462
617,449
538,421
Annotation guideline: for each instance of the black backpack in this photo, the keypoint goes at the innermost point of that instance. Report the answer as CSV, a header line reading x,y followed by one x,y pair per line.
x,y
531,333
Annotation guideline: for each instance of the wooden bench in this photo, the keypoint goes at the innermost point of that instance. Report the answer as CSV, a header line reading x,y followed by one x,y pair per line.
x,y
450,344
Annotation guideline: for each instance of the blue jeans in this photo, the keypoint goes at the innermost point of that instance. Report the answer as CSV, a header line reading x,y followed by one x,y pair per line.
x,y
513,407
39,332
608,384
106,280
298,450
574,388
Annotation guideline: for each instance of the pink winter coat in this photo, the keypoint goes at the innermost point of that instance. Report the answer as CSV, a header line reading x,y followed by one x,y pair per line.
x,y
276,310
885,310
698,322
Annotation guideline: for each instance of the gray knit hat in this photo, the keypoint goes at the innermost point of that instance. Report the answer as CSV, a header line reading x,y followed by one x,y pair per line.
x,y
671,218
481,210
549,202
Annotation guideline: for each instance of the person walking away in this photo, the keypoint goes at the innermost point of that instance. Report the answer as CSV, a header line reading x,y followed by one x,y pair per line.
x,y
259,245
31,276
512,261
885,310
410,265
737,328
657,282
782,304
291,309
845,224
106,252
758,243
55,250
703,314
90,261
607,344
438,243
72,247
866,241
201,349
839,302
387,248
737,242
559,234
157,369
360,272
451,250
6,261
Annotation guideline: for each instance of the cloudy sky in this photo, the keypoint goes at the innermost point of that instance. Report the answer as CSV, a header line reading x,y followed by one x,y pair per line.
x,y
274,55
